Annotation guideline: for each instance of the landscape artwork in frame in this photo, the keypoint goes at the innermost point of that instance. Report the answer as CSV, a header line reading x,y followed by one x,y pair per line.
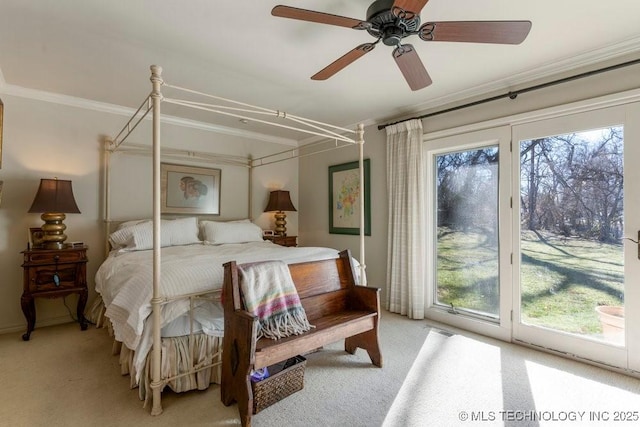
x,y
189,189
344,198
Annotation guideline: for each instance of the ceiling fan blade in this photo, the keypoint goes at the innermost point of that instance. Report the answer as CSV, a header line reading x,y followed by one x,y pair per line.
x,y
343,61
414,6
411,66
318,17
503,32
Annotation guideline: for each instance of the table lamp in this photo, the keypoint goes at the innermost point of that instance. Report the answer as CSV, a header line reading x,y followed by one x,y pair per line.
x,y
53,199
280,201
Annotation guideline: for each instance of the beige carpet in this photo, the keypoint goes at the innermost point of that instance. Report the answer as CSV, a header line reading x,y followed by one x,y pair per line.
x,y
65,377
461,381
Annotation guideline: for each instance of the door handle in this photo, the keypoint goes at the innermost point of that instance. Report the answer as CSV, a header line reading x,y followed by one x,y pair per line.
x,y
637,242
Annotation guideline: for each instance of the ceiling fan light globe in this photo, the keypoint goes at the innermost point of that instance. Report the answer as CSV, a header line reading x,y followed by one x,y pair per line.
x,y
392,36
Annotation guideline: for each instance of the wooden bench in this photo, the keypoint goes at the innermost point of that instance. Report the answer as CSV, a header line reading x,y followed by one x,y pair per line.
x,y
334,304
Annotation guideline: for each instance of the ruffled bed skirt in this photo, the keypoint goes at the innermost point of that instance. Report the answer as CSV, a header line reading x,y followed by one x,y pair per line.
x,y
179,355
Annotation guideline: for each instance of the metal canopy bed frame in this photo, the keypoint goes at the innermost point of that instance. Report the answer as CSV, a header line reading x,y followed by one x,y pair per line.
x,y
152,103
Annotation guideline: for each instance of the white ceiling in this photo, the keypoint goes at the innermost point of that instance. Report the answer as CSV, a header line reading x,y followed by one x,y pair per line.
x,y
101,51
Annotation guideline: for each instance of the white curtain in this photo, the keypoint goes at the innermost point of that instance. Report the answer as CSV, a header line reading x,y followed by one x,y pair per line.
x,y
406,251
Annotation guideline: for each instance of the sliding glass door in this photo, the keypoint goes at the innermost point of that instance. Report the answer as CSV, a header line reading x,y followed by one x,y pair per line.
x,y
571,223
534,233
570,271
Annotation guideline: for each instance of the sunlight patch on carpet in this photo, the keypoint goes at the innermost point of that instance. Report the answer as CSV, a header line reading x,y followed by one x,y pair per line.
x,y
450,374
460,381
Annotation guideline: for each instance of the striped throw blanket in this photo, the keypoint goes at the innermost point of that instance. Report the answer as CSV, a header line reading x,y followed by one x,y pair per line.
x,y
268,293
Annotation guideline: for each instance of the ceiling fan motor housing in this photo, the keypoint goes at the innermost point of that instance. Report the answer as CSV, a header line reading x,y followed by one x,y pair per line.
x,y
389,27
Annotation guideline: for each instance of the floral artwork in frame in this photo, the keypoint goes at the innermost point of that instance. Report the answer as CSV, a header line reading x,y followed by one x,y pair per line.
x,y
189,189
344,198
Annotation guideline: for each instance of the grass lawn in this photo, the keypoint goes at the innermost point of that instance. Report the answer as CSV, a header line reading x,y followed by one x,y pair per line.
x,y
563,279
467,272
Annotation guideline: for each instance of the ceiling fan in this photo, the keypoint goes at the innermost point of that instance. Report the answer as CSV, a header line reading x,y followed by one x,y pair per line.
x,y
390,21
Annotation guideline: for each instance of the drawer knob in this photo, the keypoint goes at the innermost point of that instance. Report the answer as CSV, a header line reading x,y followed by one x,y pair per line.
x,y
56,258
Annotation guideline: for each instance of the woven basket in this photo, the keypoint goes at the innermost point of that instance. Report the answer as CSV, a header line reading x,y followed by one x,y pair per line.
x,y
284,379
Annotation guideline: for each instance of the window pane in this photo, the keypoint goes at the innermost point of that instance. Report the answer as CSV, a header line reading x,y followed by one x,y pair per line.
x,y
572,272
467,276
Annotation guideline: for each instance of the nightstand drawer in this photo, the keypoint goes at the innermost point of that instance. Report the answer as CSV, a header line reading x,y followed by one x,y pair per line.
x,y
58,256
51,279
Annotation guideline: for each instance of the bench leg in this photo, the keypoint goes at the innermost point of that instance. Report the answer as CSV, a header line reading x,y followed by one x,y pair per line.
x,y
367,341
245,409
236,383
229,373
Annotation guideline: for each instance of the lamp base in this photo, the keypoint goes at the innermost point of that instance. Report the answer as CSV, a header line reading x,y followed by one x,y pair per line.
x,y
53,236
281,223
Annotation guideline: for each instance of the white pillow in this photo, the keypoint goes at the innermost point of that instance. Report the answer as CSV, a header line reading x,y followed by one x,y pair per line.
x,y
231,232
177,232
203,235
131,223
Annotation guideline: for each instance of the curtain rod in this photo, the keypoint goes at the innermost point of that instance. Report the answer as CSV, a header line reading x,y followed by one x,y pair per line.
x,y
514,94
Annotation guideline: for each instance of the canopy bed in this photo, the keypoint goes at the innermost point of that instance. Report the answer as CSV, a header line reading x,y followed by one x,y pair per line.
x,y
161,282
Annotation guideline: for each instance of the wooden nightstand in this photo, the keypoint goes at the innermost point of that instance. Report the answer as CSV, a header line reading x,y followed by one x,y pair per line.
x,y
54,273
283,240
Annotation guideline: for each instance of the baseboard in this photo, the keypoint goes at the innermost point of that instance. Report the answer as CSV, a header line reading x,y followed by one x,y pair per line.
x,y
53,321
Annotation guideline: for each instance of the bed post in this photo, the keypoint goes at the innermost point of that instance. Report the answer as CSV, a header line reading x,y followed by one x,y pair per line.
x,y
108,143
250,207
360,142
156,383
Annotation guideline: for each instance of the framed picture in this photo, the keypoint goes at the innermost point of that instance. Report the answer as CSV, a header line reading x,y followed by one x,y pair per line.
x,y
35,237
189,189
344,198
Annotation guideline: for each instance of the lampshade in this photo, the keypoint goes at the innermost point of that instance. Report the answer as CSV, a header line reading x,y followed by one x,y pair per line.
x,y
279,200
54,195
53,199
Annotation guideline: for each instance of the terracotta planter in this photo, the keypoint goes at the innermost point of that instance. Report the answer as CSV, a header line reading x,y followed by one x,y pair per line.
x,y
612,321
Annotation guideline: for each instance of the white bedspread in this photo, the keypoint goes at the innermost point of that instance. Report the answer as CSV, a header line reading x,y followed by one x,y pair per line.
x,y
124,281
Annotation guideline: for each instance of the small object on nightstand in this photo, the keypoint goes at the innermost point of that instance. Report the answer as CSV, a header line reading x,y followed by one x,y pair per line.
x,y
283,240
54,273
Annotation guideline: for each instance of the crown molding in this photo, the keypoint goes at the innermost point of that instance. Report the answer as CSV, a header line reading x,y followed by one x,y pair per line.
x,y
104,107
544,71
602,102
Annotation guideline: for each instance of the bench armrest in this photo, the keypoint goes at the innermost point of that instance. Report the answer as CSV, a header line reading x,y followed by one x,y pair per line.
x,y
366,298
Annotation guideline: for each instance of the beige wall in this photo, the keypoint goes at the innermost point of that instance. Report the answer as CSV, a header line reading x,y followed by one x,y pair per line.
x,y
581,89
46,140
314,204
